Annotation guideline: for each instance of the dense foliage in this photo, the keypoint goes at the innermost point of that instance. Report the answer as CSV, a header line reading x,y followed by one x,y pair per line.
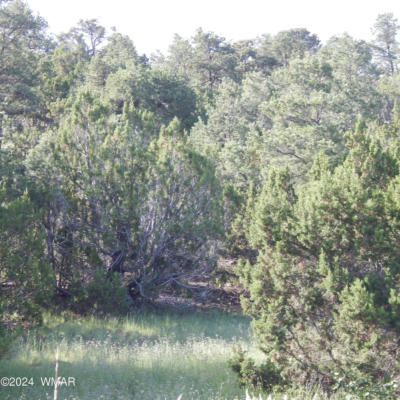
x,y
121,175
324,292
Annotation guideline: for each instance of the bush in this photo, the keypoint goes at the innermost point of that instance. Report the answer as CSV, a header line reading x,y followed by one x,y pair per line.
x,y
364,388
5,341
324,292
262,377
104,295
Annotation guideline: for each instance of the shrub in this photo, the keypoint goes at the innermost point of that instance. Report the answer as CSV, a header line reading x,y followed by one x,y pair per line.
x,y
324,292
5,340
104,295
263,377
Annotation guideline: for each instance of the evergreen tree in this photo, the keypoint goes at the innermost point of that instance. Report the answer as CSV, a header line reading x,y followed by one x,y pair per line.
x,y
323,293
385,45
126,196
22,42
288,45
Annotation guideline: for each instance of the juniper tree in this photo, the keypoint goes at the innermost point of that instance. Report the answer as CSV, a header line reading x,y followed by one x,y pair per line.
x,y
324,291
125,196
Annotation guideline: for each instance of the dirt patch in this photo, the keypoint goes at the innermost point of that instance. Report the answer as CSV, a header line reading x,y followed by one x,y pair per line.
x,y
226,297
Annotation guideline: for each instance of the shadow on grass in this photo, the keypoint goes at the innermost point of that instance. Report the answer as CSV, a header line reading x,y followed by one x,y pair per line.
x,y
125,380
145,356
150,326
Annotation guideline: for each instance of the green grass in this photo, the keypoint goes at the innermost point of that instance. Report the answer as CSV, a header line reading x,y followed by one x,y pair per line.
x,y
147,356
150,356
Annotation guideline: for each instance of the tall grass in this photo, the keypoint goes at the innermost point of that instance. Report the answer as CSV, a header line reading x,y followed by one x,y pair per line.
x,y
149,356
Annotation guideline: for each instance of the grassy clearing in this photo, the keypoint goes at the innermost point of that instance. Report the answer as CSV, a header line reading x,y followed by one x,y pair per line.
x,y
148,356
144,357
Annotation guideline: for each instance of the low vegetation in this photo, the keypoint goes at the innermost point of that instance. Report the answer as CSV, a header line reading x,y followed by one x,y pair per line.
x,y
156,356
147,356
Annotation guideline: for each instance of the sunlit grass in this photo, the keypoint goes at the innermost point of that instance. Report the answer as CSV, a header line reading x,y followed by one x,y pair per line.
x,y
145,357
148,356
